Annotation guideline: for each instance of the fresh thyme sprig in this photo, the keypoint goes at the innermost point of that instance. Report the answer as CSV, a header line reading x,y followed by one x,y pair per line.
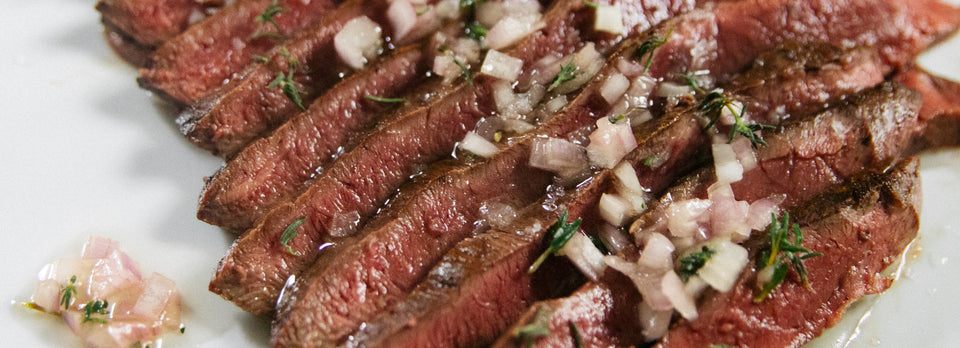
x,y
615,119
95,307
782,254
691,264
67,292
644,52
267,18
577,339
538,328
560,233
590,4
285,82
476,31
463,69
567,72
290,233
713,105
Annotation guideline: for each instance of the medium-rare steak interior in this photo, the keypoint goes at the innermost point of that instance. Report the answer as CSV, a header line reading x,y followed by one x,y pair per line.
x,y
431,172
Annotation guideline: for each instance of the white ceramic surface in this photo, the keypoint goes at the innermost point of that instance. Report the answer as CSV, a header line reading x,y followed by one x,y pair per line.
x,y
83,151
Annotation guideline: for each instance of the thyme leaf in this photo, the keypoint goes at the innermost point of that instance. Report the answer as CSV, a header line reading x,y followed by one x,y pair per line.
x,y
464,71
577,339
383,100
538,328
560,233
691,264
476,31
267,18
95,307
782,254
67,292
590,4
615,119
713,105
290,233
567,72
289,87
644,52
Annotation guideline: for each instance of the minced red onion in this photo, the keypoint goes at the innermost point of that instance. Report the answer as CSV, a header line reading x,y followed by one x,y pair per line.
x,y
614,209
490,12
684,217
610,142
402,17
558,156
614,87
556,103
608,19
759,216
448,9
673,90
728,216
639,92
588,259
645,279
629,67
511,29
501,66
746,155
478,145
627,178
588,62
358,41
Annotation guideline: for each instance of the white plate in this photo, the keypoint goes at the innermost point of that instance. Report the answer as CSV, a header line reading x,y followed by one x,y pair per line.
x,y
84,151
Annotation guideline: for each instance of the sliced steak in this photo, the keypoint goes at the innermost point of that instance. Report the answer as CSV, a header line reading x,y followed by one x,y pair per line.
x,y
492,267
484,268
151,22
860,228
209,53
276,168
257,266
866,132
941,108
235,114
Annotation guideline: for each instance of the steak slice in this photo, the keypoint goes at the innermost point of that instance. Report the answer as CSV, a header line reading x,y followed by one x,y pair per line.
x,y
860,228
151,22
276,168
940,111
257,266
449,307
227,119
867,131
210,52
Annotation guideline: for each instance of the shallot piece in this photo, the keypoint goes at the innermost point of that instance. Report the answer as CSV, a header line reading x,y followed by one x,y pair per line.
x,y
103,298
358,41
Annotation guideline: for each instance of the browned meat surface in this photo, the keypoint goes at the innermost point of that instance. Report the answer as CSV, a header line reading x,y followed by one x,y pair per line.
x,y
151,22
492,267
257,266
209,53
126,47
228,118
276,168
941,108
860,228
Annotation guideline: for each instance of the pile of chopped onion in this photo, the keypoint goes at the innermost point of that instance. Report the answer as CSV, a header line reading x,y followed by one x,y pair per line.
x,y
358,42
105,300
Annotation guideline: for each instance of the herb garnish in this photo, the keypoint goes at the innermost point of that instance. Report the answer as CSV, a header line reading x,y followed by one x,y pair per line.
x,y
290,233
538,328
560,233
650,160
95,307
577,340
267,17
713,105
463,68
590,4
567,72
285,81
67,292
613,120
782,254
260,59
383,100
645,50
476,31
691,264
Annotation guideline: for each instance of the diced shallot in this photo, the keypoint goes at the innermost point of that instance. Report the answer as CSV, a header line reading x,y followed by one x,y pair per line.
x,y
47,296
158,291
657,253
645,279
510,29
588,259
608,19
673,289
723,268
615,209
402,17
615,240
684,217
614,87
725,162
653,323
746,155
759,216
673,90
627,178
477,145
501,66
558,156
358,41
610,142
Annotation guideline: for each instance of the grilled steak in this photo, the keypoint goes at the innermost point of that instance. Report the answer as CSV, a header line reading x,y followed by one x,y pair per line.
x,y
151,22
867,131
861,228
941,108
257,266
489,266
278,167
230,117
484,268
200,59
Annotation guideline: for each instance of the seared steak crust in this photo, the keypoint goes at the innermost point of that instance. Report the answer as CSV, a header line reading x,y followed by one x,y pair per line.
x,y
151,22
